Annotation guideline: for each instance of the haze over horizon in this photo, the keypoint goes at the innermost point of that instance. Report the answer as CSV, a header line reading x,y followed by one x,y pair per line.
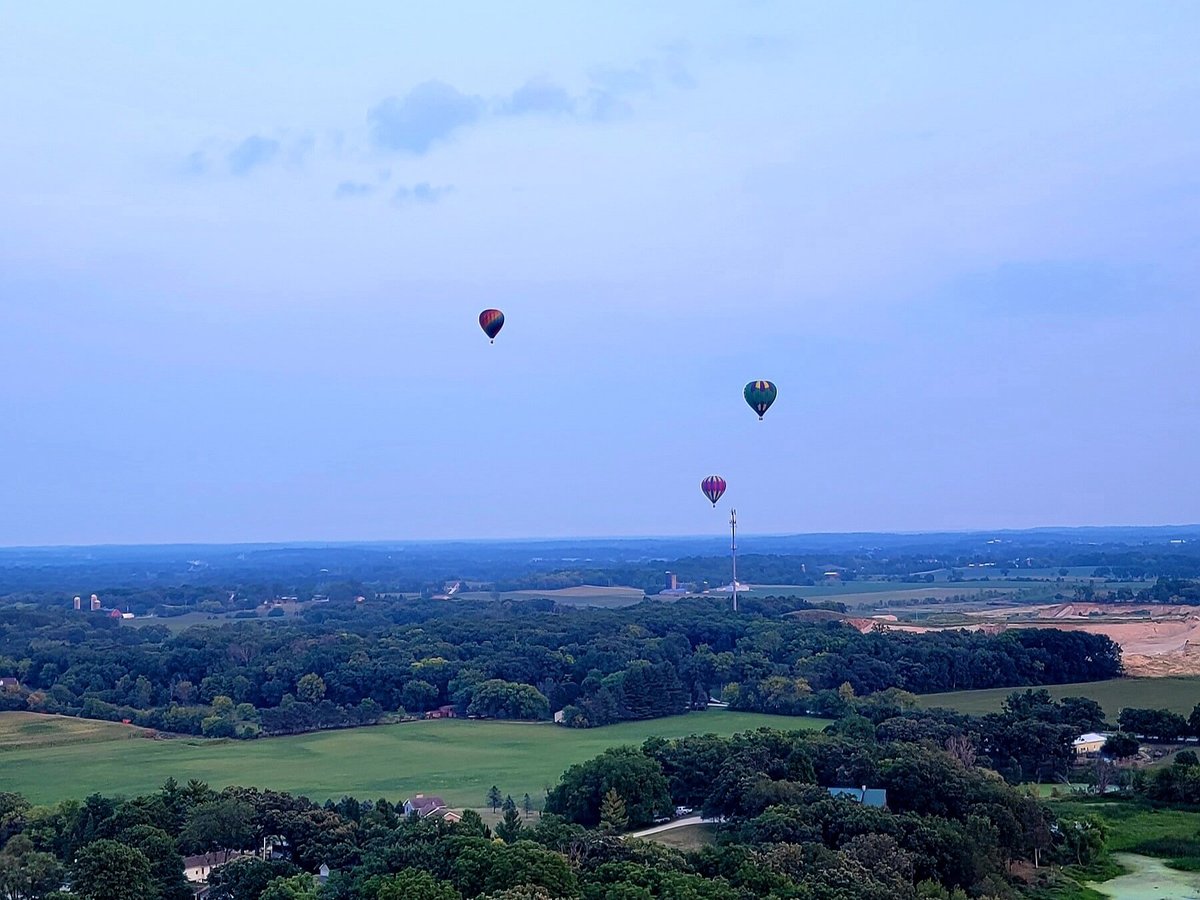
x,y
243,251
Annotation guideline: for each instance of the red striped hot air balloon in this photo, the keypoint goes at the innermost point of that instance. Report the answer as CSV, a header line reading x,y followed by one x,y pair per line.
x,y
491,321
713,487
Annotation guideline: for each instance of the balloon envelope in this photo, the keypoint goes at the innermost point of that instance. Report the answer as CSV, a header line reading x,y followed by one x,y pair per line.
x,y
760,395
491,321
713,487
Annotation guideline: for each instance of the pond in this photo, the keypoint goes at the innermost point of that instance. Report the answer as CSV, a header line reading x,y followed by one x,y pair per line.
x,y
1149,879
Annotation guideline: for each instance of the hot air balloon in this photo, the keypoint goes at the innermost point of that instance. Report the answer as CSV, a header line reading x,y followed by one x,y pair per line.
x,y
491,321
760,395
713,487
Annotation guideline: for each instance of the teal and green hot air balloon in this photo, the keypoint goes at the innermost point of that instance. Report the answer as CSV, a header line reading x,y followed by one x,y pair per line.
x,y
760,395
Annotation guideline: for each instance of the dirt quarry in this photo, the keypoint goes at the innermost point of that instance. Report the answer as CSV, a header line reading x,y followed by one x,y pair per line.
x,y
1155,640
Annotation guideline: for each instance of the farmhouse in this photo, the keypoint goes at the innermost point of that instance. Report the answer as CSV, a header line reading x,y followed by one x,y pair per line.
x,y
423,806
426,807
196,869
9,684
876,797
442,712
1087,744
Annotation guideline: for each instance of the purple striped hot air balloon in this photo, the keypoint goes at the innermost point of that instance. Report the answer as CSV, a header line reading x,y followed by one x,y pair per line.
x,y
491,321
713,487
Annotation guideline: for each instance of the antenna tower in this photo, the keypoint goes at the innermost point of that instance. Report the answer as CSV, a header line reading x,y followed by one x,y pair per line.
x,y
733,552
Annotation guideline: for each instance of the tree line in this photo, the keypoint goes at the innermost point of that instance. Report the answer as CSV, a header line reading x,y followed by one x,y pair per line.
x,y
346,664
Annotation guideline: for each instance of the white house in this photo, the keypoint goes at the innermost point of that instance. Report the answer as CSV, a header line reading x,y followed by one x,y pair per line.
x,y
196,869
1086,744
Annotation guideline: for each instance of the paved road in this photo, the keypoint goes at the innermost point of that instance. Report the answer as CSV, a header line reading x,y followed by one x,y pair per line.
x,y
668,826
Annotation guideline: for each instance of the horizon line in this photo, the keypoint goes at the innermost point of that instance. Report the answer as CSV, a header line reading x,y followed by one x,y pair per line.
x,y
353,542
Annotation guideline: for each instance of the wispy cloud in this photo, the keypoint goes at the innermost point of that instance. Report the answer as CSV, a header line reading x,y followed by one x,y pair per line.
x,y
429,113
197,163
538,96
422,192
251,153
354,189
434,112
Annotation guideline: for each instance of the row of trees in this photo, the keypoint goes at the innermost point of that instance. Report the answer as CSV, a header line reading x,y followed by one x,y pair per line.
x,y
341,665
1160,724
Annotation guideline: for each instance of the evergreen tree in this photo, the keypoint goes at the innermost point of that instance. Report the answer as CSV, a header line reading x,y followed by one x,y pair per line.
x,y
509,830
527,805
613,817
494,797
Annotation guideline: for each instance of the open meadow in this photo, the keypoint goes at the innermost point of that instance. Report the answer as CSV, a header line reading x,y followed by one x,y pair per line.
x,y
50,758
1176,694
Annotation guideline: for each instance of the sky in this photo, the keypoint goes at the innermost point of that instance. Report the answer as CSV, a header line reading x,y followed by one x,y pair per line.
x,y
243,248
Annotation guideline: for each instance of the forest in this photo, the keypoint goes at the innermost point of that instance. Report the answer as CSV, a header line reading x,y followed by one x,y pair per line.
x,y
949,829
343,663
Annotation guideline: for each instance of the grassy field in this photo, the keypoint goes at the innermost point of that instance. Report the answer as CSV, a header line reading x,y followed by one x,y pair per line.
x,y
689,837
1177,694
586,595
1152,853
49,758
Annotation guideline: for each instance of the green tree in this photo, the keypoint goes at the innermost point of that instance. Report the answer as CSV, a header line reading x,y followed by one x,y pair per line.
x,y
166,865
25,873
418,696
247,877
484,866
1120,746
108,870
297,887
495,798
499,699
472,825
527,805
1083,839
636,777
222,705
224,824
613,817
311,688
409,884
509,829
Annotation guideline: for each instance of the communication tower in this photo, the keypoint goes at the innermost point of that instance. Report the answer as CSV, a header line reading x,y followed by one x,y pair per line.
x,y
733,552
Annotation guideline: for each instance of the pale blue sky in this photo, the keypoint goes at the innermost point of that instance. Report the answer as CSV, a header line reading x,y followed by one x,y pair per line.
x,y
243,248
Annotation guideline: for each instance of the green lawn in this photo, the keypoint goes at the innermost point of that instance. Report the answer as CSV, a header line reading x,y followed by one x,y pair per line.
x,y
1134,827
457,759
1177,694
688,837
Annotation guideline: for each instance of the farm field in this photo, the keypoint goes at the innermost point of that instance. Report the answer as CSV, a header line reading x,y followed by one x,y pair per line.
x,y
584,595
50,758
1176,694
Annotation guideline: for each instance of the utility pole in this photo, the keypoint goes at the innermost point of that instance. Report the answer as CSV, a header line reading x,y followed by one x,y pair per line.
x,y
733,551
